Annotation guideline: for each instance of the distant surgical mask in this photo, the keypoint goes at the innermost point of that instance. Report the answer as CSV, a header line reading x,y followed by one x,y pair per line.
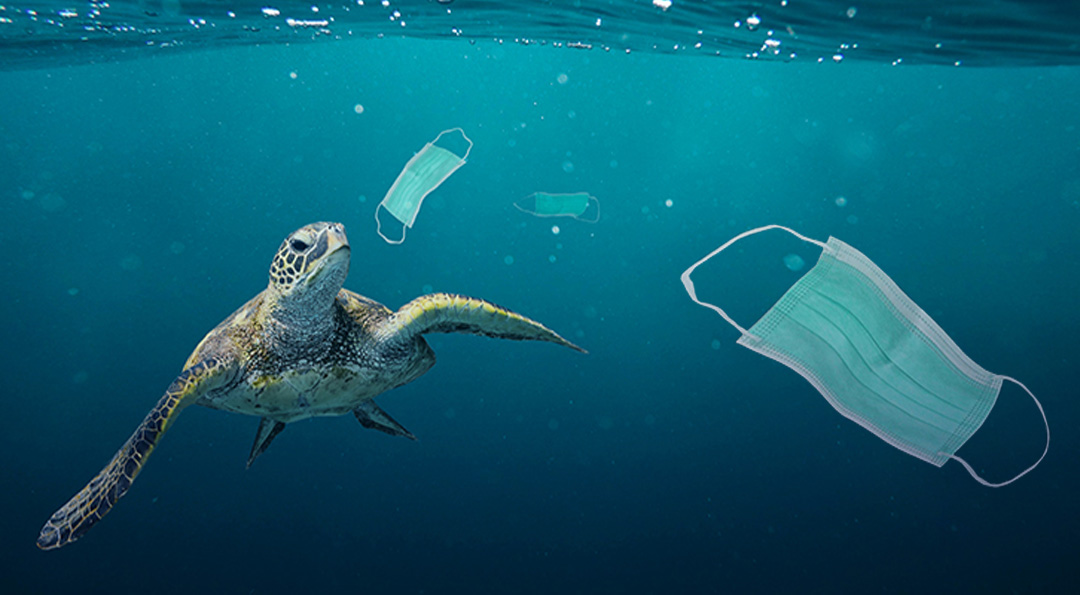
x,y
422,174
874,355
544,204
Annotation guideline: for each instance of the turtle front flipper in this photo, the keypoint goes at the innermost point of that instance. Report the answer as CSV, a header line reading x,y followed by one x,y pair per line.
x,y
450,313
99,496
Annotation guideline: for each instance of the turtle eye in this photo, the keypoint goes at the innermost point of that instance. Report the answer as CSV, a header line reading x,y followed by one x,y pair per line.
x,y
298,245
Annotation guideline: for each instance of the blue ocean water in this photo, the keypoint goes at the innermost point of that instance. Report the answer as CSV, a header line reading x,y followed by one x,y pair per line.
x,y
143,198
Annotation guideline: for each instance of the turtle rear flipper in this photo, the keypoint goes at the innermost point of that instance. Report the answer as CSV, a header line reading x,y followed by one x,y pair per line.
x,y
372,417
268,430
99,496
451,313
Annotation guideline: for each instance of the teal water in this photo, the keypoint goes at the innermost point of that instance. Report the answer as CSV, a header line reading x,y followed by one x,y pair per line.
x,y
143,201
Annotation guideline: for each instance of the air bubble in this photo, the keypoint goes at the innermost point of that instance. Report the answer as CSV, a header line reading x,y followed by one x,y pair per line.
x,y
131,262
51,202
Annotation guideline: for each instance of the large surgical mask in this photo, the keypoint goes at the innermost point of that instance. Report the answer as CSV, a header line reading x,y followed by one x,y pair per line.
x,y
422,174
874,355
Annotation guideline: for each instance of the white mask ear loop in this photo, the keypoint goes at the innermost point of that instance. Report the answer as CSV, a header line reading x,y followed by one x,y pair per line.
x,y
464,157
378,228
689,285
1025,471
597,218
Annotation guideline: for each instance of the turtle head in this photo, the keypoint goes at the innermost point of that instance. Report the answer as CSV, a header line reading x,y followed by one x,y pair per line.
x,y
311,264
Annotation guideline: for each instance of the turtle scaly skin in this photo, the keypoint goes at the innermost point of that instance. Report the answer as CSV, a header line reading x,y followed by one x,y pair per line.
x,y
303,347
98,497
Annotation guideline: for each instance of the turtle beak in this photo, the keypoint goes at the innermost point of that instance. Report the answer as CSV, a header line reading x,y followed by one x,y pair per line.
x,y
336,255
335,239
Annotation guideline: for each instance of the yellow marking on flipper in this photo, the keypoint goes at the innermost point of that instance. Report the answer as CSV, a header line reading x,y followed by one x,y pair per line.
x,y
433,310
415,312
455,313
88,506
435,305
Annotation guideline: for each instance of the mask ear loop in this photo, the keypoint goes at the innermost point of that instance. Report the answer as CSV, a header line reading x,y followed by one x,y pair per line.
x,y
595,219
1025,471
689,285
378,228
464,157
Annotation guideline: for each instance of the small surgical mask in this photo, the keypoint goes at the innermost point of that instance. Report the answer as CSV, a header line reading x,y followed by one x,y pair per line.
x,y
544,204
874,355
422,174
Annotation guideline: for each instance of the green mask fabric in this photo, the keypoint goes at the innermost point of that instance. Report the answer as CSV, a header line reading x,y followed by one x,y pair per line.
x,y
422,174
544,204
875,356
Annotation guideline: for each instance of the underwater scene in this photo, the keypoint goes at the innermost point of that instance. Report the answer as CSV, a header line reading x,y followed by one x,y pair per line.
x,y
829,404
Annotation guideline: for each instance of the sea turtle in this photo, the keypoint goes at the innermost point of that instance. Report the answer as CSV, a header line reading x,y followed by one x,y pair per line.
x,y
303,347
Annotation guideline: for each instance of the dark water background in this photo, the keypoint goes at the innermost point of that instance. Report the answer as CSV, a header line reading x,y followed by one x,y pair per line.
x,y
141,202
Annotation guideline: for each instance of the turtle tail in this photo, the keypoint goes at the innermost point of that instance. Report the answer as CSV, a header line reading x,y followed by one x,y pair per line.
x,y
99,496
451,313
